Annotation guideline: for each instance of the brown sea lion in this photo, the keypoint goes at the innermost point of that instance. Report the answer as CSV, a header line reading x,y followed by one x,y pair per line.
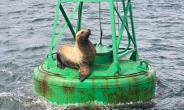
x,y
80,56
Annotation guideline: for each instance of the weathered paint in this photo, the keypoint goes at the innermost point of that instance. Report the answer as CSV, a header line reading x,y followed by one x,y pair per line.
x,y
67,89
111,80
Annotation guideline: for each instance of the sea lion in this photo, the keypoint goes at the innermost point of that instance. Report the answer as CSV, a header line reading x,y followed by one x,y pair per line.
x,y
80,56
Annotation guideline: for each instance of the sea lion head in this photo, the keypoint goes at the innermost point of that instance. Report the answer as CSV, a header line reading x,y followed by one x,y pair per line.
x,y
83,35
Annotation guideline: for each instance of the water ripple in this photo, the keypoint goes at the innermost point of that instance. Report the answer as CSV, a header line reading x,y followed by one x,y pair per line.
x,y
26,28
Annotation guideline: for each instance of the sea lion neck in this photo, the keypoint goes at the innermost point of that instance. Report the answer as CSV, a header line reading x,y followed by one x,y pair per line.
x,y
83,44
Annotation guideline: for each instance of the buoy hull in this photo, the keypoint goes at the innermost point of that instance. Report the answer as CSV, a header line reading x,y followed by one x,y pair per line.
x,y
63,89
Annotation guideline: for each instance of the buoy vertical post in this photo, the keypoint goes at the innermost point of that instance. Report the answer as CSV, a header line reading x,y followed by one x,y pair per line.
x,y
50,60
134,55
115,67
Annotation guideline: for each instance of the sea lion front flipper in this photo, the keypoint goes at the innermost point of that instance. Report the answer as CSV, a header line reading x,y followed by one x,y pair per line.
x,y
84,72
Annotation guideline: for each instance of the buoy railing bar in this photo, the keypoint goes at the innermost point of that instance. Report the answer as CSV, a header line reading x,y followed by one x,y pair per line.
x,y
50,60
67,20
65,25
79,16
123,25
126,53
127,47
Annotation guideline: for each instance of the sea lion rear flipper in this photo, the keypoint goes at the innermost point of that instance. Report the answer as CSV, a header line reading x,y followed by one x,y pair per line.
x,y
60,65
59,62
84,72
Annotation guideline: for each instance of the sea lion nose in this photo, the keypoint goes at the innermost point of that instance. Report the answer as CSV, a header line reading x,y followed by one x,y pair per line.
x,y
89,31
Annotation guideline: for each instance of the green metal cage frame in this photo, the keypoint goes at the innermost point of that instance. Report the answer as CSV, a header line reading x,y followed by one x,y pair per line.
x,y
127,7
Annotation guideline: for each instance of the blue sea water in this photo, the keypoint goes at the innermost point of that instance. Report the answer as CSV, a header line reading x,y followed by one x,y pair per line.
x,y
25,32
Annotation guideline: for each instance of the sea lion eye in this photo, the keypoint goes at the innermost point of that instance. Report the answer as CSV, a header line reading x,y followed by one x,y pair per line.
x,y
82,32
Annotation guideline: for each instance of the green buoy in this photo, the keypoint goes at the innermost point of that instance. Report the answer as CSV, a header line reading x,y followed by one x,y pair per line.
x,y
114,79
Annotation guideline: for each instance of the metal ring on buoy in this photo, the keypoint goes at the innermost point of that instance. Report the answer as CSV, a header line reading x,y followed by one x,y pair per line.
x,y
143,64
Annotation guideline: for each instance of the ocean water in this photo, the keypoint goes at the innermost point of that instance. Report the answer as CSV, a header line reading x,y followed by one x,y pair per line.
x,y
25,32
